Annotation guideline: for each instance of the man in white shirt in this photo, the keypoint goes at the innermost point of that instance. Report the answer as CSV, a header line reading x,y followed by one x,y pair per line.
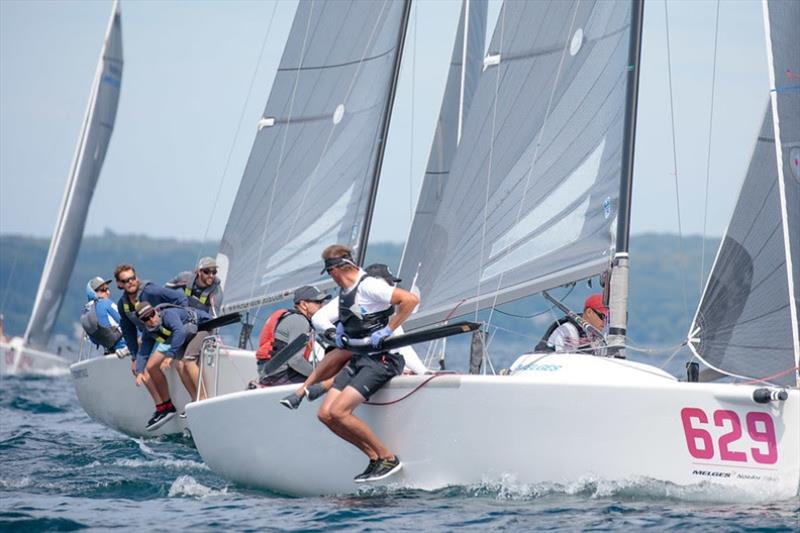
x,y
567,335
368,308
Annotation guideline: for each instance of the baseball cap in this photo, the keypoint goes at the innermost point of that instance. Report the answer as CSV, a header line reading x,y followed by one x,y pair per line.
x,y
308,293
144,309
595,301
380,270
206,262
97,282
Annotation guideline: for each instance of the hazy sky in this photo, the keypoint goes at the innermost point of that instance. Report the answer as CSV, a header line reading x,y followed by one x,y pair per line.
x,y
187,71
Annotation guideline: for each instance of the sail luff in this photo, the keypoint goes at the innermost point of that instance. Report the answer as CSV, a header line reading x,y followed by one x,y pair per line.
x,y
776,123
361,252
83,176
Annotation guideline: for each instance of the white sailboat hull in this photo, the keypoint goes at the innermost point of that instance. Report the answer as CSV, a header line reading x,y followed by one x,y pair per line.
x,y
18,359
107,391
568,419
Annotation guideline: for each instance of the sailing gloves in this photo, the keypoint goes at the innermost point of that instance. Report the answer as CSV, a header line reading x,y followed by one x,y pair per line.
x,y
378,336
339,335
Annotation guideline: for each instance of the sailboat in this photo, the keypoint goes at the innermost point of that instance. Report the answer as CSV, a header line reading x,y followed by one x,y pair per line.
x,y
320,136
539,196
28,354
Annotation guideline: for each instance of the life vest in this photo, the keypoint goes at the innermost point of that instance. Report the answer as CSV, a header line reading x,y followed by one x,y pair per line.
x,y
358,326
129,308
198,298
163,334
105,336
544,346
269,345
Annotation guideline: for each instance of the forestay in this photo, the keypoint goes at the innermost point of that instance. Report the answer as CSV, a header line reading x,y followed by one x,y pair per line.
x,y
746,324
308,179
459,91
531,201
98,123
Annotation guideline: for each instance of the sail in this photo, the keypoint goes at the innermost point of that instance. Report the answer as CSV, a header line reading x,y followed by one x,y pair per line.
x,y
746,323
532,196
308,181
90,153
459,90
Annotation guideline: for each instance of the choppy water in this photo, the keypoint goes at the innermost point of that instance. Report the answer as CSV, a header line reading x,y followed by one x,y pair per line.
x,y
61,471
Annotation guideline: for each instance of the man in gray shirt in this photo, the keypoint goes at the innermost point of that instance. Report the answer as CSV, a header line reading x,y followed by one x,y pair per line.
x,y
282,327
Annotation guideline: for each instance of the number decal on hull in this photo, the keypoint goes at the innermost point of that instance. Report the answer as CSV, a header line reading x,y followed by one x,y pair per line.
x,y
700,442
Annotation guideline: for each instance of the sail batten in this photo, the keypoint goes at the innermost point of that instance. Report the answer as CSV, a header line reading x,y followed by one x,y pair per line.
x,y
532,195
96,129
317,150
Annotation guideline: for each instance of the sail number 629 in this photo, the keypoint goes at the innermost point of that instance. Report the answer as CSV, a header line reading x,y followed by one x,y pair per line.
x,y
760,429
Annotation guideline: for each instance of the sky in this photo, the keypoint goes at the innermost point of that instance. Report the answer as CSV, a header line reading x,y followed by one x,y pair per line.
x,y
187,114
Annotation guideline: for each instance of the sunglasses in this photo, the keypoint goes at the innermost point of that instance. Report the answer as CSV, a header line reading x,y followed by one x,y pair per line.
x,y
207,271
148,318
126,280
598,313
103,289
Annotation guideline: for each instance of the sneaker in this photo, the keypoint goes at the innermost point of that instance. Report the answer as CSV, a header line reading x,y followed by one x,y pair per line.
x,y
292,401
160,418
315,391
384,469
362,477
182,415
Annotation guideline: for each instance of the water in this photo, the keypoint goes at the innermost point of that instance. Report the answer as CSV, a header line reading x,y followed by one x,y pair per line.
x,y
61,471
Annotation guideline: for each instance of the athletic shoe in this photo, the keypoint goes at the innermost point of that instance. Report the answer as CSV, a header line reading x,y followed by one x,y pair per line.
x,y
182,415
362,477
160,418
384,469
292,401
315,391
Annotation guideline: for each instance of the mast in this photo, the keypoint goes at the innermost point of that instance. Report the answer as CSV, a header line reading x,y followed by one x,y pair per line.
x,y
373,188
618,296
463,72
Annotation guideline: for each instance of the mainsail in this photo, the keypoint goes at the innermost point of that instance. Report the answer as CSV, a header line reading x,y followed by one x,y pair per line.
x,y
309,180
89,155
746,324
532,198
465,69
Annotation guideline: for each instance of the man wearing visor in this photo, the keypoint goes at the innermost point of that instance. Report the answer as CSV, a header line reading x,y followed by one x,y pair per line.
x,y
369,308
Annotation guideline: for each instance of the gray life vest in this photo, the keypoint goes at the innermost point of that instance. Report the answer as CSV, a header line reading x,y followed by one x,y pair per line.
x,y
163,334
198,298
105,336
356,325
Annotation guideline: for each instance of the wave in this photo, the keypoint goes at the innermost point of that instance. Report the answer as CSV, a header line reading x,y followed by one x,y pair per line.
x,y
188,486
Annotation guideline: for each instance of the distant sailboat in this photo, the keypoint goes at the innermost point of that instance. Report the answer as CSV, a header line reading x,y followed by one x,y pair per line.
x,y
320,137
539,196
28,354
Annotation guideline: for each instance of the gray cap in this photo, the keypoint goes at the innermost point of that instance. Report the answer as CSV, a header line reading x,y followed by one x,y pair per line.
x,y
96,283
379,270
206,262
144,309
310,294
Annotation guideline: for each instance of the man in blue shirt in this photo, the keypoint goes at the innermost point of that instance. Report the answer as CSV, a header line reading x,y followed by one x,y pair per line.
x,y
173,332
100,318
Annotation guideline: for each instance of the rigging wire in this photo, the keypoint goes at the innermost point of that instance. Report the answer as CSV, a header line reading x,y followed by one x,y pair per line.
x,y
708,150
681,254
540,313
238,129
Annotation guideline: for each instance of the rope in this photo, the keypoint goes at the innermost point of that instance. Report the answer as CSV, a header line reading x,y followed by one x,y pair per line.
x,y
773,376
708,149
415,389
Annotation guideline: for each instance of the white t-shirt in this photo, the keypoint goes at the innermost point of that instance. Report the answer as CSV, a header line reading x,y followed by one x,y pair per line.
x,y
374,295
565,338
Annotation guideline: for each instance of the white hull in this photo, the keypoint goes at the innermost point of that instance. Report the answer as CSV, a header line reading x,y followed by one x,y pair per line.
x,y
18,359
568,419
107,391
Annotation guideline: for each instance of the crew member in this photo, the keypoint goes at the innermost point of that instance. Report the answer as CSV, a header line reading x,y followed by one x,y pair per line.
x,y
567,335
202,287
369,309
100,318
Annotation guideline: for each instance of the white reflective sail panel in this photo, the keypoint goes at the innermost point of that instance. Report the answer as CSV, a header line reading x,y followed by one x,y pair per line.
x,y
307,180
746,323
466,64
90,153
531,200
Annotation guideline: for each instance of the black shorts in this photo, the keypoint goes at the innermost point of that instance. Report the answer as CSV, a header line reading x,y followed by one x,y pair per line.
x,y
367,373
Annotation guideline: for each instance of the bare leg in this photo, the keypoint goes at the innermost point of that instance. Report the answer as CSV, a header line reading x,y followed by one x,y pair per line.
x,y
329,367
186,379
326,417
157,376
190,378
151,388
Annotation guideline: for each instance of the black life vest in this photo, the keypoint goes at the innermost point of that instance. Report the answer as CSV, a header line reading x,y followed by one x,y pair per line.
x,y
105,336
544,346
198,298
356,325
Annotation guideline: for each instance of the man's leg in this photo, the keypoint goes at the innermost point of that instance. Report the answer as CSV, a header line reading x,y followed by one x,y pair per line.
x,y
186,378
326,417
151,388
330,365
341,411
157,376
190,376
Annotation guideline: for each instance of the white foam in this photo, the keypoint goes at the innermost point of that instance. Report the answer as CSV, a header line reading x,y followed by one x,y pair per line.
x,y
189,486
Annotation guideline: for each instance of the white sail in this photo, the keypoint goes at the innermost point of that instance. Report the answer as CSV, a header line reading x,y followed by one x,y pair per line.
x,y
310,178
90,153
